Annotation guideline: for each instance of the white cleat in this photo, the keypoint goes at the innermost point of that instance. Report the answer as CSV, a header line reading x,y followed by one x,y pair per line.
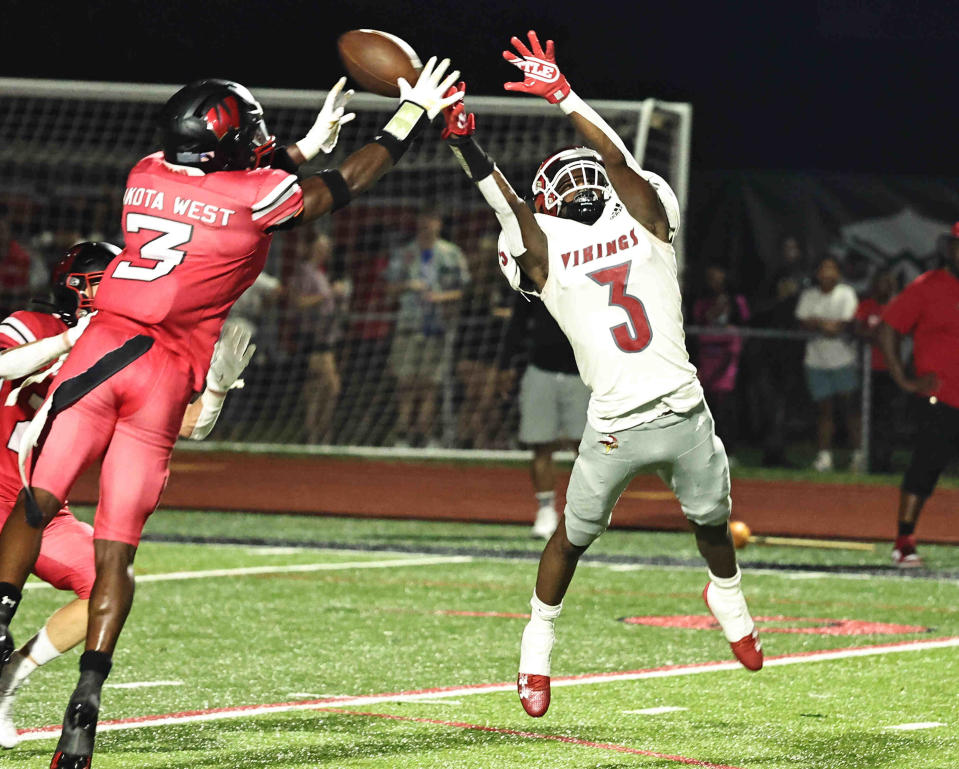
x,y
547,520
8,732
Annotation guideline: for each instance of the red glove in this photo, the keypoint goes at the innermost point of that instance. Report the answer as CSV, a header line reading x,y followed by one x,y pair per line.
x,y
459,123
541,75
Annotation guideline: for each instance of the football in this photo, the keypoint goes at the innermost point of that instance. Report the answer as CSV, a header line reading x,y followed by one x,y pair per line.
x,y
375,60
741,534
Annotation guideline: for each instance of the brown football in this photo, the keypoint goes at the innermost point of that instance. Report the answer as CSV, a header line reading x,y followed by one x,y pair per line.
x,y
375,60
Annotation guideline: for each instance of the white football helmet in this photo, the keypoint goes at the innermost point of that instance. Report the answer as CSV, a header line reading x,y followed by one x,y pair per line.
x,y
572,169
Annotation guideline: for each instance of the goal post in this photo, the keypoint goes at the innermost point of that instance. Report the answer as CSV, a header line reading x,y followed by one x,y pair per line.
x,y
323,380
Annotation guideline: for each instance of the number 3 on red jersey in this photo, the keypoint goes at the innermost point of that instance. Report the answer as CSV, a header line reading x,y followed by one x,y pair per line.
x,y
162,249
635,335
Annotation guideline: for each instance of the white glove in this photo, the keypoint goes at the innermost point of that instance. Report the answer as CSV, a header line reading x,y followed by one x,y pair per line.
x,y
326,129
428,91
73,333
231,354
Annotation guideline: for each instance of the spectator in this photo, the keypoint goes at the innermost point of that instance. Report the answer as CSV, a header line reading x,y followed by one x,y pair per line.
x,y
831,370
777,362
481,330
320,304
19,270
928,310
885,393
552,398
427,276
718,358
248,311
366,352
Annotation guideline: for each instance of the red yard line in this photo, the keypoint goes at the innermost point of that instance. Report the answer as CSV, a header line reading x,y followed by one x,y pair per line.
x,y
537,736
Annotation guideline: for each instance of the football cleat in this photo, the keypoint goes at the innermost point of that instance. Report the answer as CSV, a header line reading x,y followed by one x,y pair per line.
x,y
904,554
8,693
533,693
75,748
748,650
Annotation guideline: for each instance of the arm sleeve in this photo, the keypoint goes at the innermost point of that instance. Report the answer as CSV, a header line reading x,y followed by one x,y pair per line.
x,y
212,403
21,351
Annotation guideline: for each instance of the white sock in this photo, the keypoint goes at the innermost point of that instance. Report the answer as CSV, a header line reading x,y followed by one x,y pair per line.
x,y
728,605
545,498
42,649
538,637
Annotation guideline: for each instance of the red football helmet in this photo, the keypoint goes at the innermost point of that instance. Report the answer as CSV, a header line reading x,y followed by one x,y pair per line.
x,y
572,169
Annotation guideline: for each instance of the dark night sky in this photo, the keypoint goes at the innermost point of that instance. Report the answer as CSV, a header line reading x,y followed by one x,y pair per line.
x,y
840,85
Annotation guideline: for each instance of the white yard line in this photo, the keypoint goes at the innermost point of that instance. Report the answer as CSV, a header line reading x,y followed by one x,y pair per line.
x,y
433,695
142,684
916,726
655,711
299,568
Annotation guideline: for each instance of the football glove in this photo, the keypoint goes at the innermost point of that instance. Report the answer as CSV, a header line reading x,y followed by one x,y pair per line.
x,y
231,354
326,129
73,333
459,123
541,75
430,93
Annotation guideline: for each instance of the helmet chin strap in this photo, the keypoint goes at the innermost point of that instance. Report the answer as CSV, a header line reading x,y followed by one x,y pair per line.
x,y
585,208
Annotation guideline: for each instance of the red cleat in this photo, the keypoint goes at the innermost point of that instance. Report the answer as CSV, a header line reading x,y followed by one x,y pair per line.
x,y
904,554
533,694
748,650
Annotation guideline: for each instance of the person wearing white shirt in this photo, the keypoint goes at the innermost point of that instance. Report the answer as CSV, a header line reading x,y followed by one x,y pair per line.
x,y
832,373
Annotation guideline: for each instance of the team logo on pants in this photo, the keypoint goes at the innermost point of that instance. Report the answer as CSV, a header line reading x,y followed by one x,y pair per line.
x,y
610,441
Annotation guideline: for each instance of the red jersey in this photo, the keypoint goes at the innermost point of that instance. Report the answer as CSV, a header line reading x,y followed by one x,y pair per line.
x,y
869,313
194,243
20,328
928,309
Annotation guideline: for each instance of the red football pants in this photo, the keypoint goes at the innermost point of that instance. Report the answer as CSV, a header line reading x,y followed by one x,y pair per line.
x,y
66,552
131,421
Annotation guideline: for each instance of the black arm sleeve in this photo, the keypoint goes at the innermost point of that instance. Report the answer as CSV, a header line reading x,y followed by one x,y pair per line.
x,y
283,161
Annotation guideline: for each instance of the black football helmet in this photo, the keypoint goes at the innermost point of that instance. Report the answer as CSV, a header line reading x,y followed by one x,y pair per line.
x,y
75,276
215,125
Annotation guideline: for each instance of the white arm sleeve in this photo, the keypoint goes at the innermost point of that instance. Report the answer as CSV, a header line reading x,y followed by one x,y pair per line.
x,y
18,362
493,195
573,103
210,412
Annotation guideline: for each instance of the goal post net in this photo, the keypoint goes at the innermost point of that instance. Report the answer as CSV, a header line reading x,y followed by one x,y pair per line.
x,y
328,374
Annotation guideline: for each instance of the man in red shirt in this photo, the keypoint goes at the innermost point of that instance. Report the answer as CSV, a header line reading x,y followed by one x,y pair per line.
x,y
928,310
32,346
198,218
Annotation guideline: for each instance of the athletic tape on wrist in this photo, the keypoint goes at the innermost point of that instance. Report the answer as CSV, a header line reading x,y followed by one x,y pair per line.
x,y
475,162
338,187
407,121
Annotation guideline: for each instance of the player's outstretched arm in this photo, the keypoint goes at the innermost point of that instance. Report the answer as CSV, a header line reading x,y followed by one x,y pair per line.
x,y
26,359
542,77
231,354
419,104
524,237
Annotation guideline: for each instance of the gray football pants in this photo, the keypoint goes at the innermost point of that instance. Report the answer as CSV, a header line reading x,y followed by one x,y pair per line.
x,y
682,449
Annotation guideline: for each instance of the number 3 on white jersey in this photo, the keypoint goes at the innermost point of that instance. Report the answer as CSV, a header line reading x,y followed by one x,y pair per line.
x,y
161,249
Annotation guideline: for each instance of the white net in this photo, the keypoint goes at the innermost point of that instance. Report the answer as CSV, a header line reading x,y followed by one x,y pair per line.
x,y
334,367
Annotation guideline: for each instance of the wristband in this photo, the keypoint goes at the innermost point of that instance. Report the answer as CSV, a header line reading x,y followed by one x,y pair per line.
x,y
337,186
475,162
407,121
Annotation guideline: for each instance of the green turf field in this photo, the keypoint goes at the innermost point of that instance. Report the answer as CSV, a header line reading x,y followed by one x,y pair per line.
x,y
310,642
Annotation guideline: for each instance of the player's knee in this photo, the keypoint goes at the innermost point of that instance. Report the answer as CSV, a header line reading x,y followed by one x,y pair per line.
x,y
580,533
45,502
708,512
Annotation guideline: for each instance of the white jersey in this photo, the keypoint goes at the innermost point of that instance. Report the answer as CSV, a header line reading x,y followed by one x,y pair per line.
x,y
613,289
